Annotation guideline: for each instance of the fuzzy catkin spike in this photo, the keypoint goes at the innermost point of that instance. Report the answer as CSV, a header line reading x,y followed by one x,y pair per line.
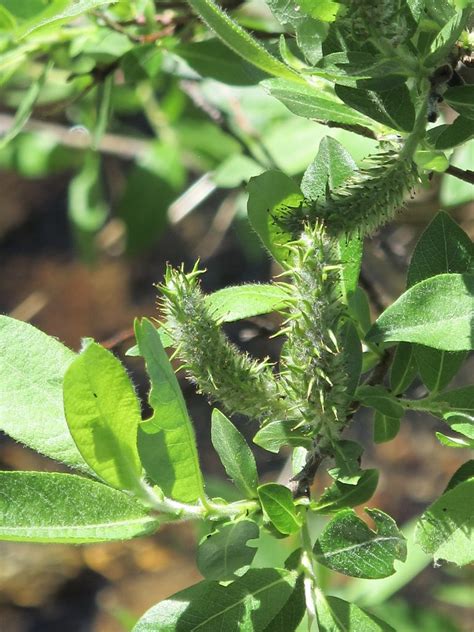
x,y
318,391
216,366
369,199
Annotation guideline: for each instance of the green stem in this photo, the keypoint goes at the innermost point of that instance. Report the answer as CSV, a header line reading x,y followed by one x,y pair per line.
x,y
310,581
202,510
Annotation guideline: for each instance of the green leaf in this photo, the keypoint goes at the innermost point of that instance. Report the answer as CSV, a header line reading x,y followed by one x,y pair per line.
x,y
166,441
225,550
244,301
336,615
213,60
455,442
437,368
455,134
445,529
340,495
456,407
279,508
332,166
26,106
381,400
404,369
52,507
436,312
443,248
276,434
32,367
461,99
313,103
392,108
350,255
463,473
58,11
249,603
237,39
359,309
385,427
235,454
270,196
103,414
348,546
347,455
289,617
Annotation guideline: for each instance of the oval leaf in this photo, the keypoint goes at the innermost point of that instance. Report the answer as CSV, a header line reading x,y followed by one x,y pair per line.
x,y
103,414
244,301
279,507
224,551
348,546
436,312
235,454
52,507
337,615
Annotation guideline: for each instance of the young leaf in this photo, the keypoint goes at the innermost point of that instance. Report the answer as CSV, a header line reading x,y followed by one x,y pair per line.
x,y
404,369
278,433
381,400
235,454
166,441
270,196
445,529
340,495
348,546
279,507
313,103
52,507
392,108
237,39
224,551
103,414
455,442
337,615
347,455
463,473
244,301
26,106
249,603
31,410
331,167
436,312
456,407
385,427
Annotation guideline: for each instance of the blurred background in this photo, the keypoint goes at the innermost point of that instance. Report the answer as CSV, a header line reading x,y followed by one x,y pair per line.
x,y
129,160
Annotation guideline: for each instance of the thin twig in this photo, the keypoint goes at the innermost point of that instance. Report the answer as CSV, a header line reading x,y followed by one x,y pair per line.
x,y
465,175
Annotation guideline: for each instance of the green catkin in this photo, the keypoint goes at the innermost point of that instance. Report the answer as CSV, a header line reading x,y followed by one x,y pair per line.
x,y
215,365
312,363
369,199
387,19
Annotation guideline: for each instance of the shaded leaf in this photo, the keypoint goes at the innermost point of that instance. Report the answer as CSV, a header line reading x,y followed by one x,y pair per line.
x,y
381,400
249,603
403,369
385,427
225,551
340,495
337,615
234,453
